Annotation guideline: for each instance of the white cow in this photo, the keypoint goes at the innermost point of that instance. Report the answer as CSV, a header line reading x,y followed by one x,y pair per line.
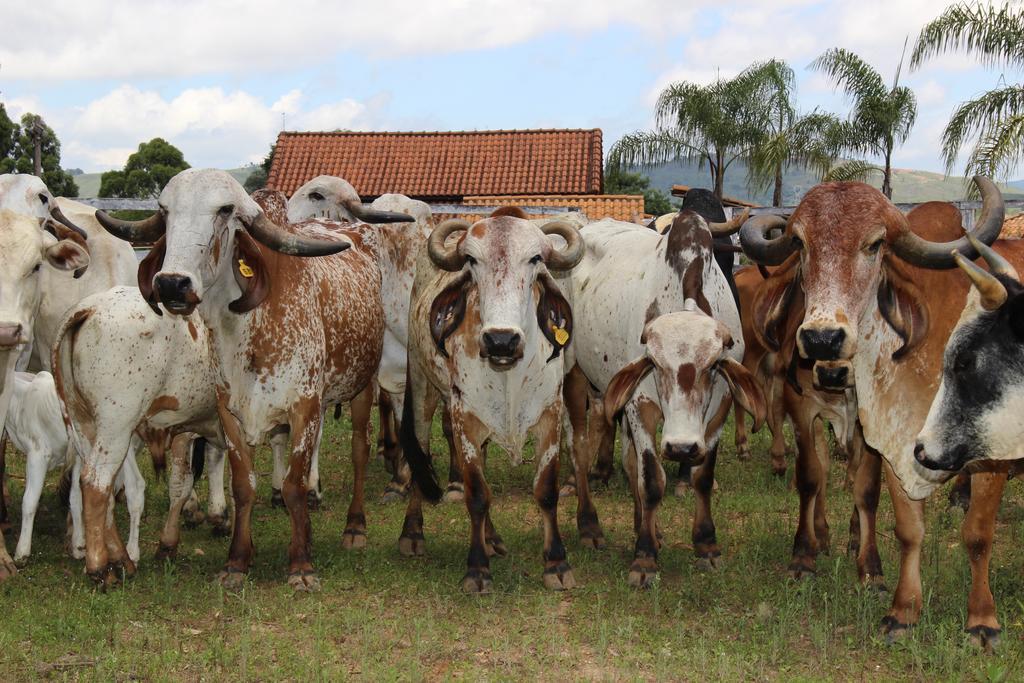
x,y
36,428
25,252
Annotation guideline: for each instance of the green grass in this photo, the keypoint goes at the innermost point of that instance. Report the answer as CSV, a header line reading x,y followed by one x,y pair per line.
x,y
381,616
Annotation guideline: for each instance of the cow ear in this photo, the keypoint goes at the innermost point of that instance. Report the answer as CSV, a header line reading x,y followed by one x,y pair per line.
x,y
448,309
67,255
773,303
622,386
62,232
554,315
148,268
251,274
900,303
745,389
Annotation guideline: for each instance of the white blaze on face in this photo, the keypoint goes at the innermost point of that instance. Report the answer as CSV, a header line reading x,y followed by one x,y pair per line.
x,y
322,197
25,194
684,348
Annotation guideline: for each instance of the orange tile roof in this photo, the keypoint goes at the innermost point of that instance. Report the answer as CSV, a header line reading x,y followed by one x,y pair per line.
x,y
1013,227
444,165
623,207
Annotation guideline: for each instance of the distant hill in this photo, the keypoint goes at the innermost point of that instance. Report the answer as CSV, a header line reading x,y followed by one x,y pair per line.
x,y
89,183
908,185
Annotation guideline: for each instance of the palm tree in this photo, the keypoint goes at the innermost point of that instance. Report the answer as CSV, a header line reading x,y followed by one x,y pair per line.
x,y
882,117
995,118
710,123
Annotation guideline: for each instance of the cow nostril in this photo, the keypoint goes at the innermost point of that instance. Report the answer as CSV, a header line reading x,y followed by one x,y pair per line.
x,y
500,343
919,453
681,452
823,344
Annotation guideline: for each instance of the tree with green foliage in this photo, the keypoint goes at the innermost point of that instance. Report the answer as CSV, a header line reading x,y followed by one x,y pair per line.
x,y
713,124
619,181
257,180
882,117
8,138
146,173
21,157
994,119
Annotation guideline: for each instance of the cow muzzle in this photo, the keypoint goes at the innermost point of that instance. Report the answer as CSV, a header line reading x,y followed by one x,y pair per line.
x,y
11,335
177,293
682,451
951,461
503,347
821,343
833,374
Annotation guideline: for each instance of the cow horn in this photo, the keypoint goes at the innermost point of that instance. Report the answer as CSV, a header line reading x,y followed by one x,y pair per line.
x,y
147,230
368,215
997,265
939,255
993,293
729,227
564,259
443,257
760,249
277,238
59,216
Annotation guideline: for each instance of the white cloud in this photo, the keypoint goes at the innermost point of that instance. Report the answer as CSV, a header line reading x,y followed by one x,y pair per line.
x,y
211,127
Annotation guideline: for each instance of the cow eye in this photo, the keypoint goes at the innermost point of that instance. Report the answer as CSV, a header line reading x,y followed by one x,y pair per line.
x,y
316,196
226,210
963,362
43,198
875,246
797,242
535,259
470,260
36,268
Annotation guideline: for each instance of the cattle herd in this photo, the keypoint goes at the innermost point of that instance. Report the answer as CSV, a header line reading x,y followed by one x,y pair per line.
x,y
252,316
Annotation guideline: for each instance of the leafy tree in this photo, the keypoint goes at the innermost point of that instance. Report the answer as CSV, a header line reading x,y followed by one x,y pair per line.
x,y
258,177
57,180
8,138
713,124
882,117
619,181
788,138
146,173
994,119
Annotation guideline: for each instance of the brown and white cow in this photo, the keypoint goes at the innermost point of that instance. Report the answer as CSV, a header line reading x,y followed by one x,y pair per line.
x,y
487,328
290,335
878,308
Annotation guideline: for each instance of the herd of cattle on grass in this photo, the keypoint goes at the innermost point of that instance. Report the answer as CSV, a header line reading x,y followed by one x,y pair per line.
x,y
251,316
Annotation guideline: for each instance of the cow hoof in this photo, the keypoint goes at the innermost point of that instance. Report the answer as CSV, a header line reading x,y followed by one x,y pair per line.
x,y
799,572
593,541
984,638
682,488
779,472
743,454
559,577
353,539
477,582
894,631
412,547
567,491
643,576
21,561
276,499
875,584
125,569
313,499
393,494
166,552
853,549
192,518
220,525
454,494
709,563
232,579
496,547
305,581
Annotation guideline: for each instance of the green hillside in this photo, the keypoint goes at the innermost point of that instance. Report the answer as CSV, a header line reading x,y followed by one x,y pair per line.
x,y
89,183
908,185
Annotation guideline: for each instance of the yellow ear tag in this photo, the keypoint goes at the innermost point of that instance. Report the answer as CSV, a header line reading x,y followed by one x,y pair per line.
x,y
244,268
561,336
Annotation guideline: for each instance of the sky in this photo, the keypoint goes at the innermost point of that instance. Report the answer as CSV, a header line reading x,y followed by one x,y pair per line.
x,y
220,78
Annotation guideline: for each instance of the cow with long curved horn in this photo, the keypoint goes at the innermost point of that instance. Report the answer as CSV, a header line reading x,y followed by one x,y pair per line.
x,y
879,303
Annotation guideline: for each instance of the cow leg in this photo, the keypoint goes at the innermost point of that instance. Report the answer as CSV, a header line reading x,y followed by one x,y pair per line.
x,y
5,496
306,424
977,533
776,425
387,436
36,464
390,408
907,600
180,485
128,479
76,542
603,437
279,439
867,488
470,448
822,532
411,542
960,492
575,392
217,505
97,474
741,440
135,493
243,489
454,492
354,535
808,483
705,541
557,572
648,491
